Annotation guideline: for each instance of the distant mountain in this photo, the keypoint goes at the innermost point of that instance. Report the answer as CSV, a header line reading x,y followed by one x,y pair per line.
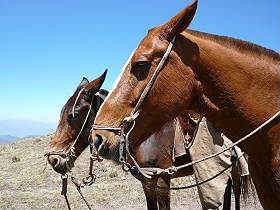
x,y
24,128
31,136
6,139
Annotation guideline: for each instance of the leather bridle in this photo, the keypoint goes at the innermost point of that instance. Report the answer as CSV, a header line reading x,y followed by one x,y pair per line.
x,y
70,154
129,121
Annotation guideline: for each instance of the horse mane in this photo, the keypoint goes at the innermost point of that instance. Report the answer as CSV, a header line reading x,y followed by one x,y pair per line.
x,y
238,44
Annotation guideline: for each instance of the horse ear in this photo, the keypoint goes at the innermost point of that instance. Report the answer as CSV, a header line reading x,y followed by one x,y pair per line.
x,y
83,83
94,86
180,22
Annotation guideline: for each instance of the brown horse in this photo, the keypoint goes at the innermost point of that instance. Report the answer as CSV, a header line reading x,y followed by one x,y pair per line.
x,y
157,151
234,83
70,133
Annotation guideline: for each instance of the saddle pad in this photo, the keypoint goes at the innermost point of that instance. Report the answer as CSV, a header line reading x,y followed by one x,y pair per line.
x,y
208,141
179,141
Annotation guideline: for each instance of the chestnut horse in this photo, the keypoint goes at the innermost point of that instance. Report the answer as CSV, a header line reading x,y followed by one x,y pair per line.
x,y
234,83
157,151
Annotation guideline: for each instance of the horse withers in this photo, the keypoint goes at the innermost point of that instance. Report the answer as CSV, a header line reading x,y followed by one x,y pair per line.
x,y
234,83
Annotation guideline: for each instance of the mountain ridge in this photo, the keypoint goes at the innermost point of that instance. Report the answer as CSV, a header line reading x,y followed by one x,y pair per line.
x,y
24,128
6,139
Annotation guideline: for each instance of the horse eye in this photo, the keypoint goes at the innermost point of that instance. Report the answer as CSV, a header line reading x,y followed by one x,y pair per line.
x,y
142,64
75,115
70,116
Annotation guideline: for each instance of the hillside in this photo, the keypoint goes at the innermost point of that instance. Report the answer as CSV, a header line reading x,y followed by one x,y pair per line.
x,y
5,139
28,183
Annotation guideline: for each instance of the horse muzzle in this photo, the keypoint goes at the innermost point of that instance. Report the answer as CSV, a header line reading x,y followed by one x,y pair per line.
x,y
60,163
104,147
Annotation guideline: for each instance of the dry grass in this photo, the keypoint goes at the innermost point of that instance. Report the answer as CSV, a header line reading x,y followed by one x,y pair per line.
x,y
27,182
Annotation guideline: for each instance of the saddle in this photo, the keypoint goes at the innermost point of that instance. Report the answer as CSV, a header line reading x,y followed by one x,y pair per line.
x,y
208,140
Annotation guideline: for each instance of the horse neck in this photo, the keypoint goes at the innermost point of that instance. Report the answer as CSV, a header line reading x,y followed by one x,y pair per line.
x,y
157,150
240,90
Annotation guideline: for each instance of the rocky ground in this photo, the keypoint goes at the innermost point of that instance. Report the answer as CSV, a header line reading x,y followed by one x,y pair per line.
x,y
27,182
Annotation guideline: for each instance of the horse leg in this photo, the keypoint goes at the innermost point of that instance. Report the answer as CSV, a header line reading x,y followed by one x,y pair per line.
x,y
163,196
227,196
267,185
151,195
236,186
237,192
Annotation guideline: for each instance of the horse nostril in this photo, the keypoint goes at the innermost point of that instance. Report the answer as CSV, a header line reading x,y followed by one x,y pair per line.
x,y
98,140
59,164
53,160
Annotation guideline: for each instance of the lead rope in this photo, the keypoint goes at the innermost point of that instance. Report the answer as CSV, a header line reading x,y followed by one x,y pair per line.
x,y
173,169
148,172
139,176
277,114
78,187
87,181
64,189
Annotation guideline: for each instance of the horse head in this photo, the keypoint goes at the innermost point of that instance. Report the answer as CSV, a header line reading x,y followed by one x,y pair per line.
x,y
73,130
162,103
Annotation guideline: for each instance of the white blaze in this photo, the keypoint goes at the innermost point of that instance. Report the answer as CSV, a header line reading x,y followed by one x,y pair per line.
x,y
115,83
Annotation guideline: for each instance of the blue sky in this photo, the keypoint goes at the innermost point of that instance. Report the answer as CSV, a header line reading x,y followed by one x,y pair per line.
x,y
47,46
